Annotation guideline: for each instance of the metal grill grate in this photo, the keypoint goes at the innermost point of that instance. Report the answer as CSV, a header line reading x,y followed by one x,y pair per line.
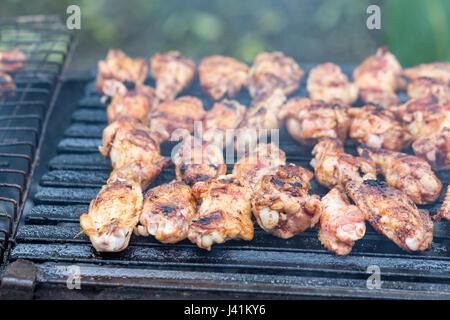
x,y
296,267
24,110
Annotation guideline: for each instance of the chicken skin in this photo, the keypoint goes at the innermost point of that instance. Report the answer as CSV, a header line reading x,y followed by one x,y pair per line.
x,y
198,160
341,223
221,121
261,117
410,174
378,77
393,214
264,159
179,114
116,69
112,215
220,76
281,203
424,87
172,73
436,70
224,212
136,103
435,148
128,141
333,167
378,128
7,84
308,120
327,82
444,211
167,212
12,60
274,70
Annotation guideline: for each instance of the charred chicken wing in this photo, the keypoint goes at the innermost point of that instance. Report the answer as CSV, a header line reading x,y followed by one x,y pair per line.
x,y
327,82
341,223
378,128
167,212
410,174
224,212
424,87
116,69
435,148
308,121
198,160
274,70
172,72
281,203
436,70
220,76
444,211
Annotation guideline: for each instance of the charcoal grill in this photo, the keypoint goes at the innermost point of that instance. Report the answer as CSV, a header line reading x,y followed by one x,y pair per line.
x,y
24,110
47,255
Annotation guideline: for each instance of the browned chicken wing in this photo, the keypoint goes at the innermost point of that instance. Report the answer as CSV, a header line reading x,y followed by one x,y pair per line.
x,y
172,72
281,203
274,70
378,77
7,84
410,174
436,70
393,214
424,87
221,121
444,211
341,223
128,141
308,120
220,76
327,82
198,160
135,103
179,114
224,212
12,60
378,128
167,212
116,69
264,159
112,215
435,148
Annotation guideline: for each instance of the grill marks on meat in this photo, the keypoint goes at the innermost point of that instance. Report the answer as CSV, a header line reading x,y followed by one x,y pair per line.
x,y
308,120
444,211
220,76
172,72
224,212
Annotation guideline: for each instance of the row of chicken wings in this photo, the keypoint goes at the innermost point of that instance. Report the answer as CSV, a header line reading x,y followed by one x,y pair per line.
x,y
207,206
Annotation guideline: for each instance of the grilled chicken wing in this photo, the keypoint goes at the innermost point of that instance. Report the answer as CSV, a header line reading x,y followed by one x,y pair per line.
x,y
410,174
198,160
12,60
274,70
377,78
378,128
393,214
308,120
333,167
221,121
327,82
341,223
128,141
261,117
167,212
135,103
177,114
423,87
172,72
435,148
220,76
116,69
281,203
444,211
264,159
112,215
224,212
7,84
436,70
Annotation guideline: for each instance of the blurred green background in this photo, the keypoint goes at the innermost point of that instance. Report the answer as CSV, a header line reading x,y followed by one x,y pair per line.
x,y
416,31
